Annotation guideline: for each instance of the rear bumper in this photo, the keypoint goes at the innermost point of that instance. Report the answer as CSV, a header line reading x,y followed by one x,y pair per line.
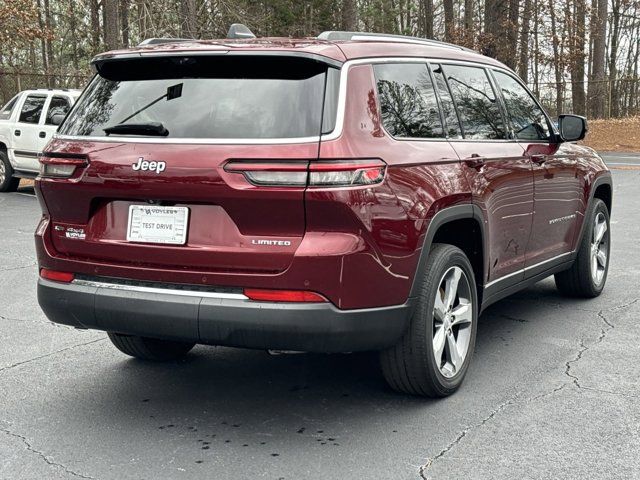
x,y
224,320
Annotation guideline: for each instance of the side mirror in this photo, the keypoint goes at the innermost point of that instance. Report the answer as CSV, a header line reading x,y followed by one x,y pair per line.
x,y
57,118
572,127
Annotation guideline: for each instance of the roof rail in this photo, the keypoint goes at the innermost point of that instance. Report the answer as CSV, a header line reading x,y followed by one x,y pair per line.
x,y
158,41
333,35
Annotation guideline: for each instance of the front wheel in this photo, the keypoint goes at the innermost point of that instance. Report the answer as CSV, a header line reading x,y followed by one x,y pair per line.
x,y
433,356
146,348
588,274
8,183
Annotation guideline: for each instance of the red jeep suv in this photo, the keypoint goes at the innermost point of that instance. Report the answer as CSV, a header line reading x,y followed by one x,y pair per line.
x,y
351,192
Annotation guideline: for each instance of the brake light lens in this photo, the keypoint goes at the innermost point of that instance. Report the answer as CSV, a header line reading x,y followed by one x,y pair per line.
x,y
299,296
60,165
346,173
56,276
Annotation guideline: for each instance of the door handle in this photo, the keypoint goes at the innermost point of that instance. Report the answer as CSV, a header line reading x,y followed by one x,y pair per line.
x,y
475,161
42,134
17,133
538,159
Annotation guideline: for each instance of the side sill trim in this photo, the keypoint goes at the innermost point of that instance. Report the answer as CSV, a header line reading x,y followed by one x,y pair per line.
x,y
165,291
528,269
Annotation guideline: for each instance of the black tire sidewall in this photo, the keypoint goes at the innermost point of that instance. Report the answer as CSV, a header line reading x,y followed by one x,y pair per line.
x,y
585,250
8,177
442,258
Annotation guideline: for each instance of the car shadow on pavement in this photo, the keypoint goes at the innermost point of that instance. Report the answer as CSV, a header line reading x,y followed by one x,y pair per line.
x,y
230,396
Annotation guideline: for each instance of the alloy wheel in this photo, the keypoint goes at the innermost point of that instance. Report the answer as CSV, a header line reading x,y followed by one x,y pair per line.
x,y
599,248
452,319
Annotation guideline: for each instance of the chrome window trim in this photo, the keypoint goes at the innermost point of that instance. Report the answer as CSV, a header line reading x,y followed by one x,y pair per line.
x,y
165,291
191,141
530,267
342,91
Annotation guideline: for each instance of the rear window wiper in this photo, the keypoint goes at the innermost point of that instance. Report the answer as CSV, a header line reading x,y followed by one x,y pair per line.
x,y
151,128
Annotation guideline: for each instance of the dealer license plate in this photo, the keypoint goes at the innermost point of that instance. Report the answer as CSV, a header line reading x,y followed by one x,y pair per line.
x,y
157,224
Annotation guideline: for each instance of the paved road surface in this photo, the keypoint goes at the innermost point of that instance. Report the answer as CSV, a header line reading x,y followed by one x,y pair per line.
x,y
552,392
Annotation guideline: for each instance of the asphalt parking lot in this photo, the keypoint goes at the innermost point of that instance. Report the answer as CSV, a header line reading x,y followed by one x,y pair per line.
x,y
553,391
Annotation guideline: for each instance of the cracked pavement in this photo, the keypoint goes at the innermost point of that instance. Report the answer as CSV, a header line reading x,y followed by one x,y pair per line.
x,y
552,392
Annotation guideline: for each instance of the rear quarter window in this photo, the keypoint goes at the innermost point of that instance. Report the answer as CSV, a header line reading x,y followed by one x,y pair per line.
x,y
408,104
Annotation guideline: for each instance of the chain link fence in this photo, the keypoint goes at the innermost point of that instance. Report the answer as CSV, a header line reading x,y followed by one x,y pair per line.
x,y
14,82
604,99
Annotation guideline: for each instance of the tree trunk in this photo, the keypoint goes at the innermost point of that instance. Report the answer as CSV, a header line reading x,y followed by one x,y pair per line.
x,y
124,22
95,26
427,18
449,26
597,83
496,19
578,59
111,36
349,18
523,63
469,29
512,34
556,59
43,44
613,58
188,24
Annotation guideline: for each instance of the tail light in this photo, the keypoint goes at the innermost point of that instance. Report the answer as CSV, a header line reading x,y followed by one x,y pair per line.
x,y
347,173
56,276
299,296
60,165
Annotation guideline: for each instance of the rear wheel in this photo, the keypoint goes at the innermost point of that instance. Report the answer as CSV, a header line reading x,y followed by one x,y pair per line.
x,y
8,183
588,274
150,348
433,356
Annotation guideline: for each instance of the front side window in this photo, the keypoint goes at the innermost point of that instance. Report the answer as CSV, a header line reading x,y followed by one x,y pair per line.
x,y
201,97
476,102
527,118
32,108
5,113
58,105
408,103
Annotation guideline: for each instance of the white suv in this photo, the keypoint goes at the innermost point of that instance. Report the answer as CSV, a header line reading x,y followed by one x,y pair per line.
x,y
27,123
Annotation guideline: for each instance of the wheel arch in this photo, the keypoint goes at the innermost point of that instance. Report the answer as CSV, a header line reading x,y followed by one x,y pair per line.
x,y
446,226
601,188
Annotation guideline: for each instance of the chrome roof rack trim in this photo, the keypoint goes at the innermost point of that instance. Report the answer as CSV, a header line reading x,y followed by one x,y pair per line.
x,y
334,35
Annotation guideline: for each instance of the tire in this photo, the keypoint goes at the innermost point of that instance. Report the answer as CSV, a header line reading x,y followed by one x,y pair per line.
x,y
8,183
146,348
581,280
410,366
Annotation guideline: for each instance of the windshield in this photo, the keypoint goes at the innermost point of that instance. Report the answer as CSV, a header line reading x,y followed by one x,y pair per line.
x,y
230,99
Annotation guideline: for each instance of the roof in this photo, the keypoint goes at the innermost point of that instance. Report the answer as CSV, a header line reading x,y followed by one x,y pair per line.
x,y
332,50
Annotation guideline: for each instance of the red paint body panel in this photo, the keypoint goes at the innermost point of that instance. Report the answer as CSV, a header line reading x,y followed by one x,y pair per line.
x,y
358,247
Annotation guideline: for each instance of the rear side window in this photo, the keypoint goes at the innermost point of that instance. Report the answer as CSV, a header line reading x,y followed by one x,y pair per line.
x,y
476,102
32,108
527,118
5,113
58,105
446,103
205,97
408,103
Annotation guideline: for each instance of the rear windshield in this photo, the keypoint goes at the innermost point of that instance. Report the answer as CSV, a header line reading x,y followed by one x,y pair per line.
x,y
205,97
